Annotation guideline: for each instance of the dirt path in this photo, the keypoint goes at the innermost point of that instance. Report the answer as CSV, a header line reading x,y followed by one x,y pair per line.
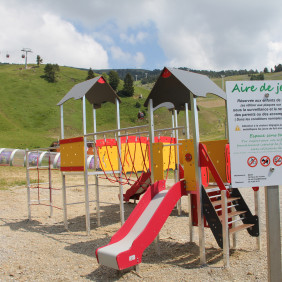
x,y
42,250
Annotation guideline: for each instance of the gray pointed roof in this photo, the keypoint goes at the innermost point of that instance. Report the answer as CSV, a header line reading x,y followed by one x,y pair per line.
x,y
96,91
174,86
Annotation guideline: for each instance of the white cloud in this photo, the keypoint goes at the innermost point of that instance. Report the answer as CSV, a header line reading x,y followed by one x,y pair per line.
x,y
274,55
139,59
54,39
199,34
133,39
133,60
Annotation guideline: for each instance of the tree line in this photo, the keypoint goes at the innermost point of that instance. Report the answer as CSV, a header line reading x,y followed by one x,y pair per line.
x,y
114,80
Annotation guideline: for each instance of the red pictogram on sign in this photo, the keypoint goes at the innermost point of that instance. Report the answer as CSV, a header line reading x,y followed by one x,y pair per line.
x,y
252,161
265,161
277,160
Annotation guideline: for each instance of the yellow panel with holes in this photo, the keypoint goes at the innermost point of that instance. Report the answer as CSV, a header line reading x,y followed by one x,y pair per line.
x,y
72,154
216,151
169,156
158,167
108,158
189,164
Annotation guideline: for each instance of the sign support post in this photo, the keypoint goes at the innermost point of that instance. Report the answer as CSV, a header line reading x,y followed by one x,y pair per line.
x,y
272,210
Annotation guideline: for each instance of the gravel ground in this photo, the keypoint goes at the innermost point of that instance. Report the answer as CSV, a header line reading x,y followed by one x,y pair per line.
x,y
41,249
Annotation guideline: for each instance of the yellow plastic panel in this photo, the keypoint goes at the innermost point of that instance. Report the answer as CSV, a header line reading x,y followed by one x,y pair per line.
x,y
109,158
216,151
158,161
180,151
132,158
169,154
72,154
189,164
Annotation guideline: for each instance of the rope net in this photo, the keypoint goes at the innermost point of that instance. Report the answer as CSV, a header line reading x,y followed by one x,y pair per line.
x,y
133,157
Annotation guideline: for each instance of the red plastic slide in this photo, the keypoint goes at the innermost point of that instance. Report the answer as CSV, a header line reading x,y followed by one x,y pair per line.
x,y
141,228
138,188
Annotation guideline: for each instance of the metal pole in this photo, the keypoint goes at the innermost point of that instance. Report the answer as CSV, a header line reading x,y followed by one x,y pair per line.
x,y
62,121
86,191
26,50
257,212
50,185
225,234
196,138
177,158
120,166
28,184
187,121
152,140
95,168
64,194
273,232
151,135
84,114
191,231
173,135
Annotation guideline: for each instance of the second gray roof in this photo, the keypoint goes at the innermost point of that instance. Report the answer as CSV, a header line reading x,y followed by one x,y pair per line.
x,y
174,86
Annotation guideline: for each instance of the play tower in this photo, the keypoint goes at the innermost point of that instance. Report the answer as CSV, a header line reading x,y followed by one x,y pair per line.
x,y
204,176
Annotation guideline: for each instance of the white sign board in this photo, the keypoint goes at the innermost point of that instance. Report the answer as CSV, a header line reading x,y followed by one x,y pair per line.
x,y
255,132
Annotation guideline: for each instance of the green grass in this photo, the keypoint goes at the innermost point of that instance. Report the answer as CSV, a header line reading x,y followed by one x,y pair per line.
x,y
29,117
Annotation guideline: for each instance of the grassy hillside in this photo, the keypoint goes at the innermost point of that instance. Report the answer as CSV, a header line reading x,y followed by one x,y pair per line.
x,y
29,117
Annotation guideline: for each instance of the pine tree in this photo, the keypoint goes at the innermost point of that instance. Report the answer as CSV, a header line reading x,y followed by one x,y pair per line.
x,y
51,72
90,74
39,60
128,88
113,79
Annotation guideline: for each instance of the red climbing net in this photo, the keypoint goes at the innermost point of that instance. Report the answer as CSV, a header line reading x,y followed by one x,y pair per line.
x,y
128,158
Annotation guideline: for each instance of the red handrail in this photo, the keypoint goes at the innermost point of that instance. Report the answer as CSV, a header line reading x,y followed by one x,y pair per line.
x,y
205,160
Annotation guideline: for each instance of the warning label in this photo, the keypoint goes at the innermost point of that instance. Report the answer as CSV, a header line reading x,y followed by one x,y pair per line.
x,y
252,161
265,161
277,160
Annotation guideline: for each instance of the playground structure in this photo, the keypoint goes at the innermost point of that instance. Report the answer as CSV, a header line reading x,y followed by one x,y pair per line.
x,y
202,169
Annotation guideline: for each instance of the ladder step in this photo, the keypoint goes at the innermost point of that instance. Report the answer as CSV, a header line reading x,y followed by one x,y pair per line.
x,y
212,189
231,214
231,206
235,220
229,200
239,228
215,196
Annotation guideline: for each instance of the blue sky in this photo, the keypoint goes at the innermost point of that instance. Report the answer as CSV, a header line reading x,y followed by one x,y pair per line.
x,y
150,34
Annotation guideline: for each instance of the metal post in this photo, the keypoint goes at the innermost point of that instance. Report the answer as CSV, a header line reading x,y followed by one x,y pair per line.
x,y
95,168
84,114
234,235
26,50
50,185
62,121
28,184
120,166
257,212
64,201
86,191
173,135
151,135
177,158
191,231
187,121
196,138
152,140
225,234
273,231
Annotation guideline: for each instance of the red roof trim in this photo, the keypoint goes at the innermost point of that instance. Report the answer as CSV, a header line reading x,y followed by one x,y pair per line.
x,y
166,73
